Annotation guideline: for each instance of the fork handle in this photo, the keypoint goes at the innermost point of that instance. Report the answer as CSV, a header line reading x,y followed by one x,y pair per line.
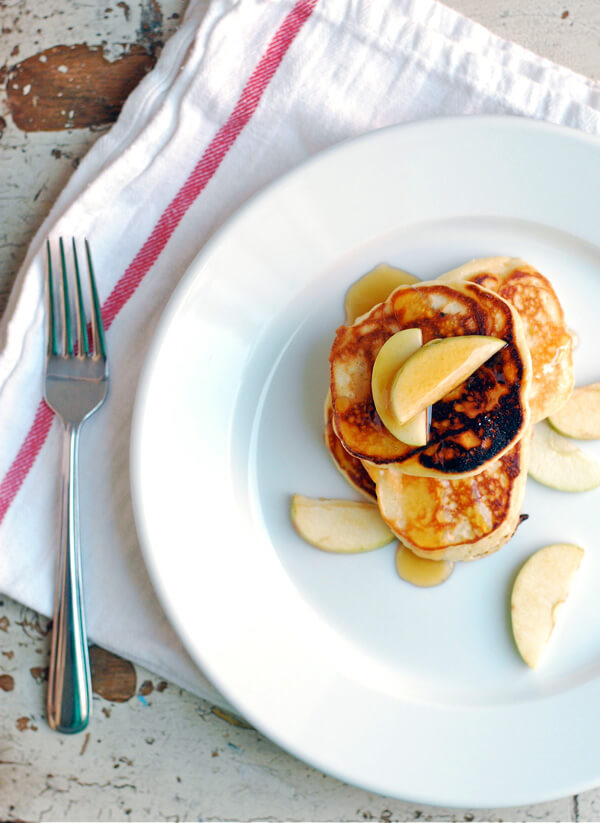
x,y
69,681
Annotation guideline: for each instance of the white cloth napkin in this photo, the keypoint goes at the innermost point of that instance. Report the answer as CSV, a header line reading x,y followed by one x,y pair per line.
x,y
245,90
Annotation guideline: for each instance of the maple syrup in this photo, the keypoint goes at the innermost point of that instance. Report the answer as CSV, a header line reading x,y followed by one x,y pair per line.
x,y
373,288
419,570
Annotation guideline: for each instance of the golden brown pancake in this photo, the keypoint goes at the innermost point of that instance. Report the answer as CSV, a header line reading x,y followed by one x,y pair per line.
x,y
455,519
350,467
473,425
548,337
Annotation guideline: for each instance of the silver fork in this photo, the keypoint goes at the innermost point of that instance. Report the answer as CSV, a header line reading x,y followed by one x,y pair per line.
x,y
76,383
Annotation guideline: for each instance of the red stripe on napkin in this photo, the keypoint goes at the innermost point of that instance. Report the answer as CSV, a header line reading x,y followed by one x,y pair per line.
x,y
140,265
26,455
210,160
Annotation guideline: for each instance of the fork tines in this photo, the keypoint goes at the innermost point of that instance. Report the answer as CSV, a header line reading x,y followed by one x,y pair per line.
x,y
70,333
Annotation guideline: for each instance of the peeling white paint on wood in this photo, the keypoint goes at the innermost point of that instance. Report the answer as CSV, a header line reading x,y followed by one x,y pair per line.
x,y
34,167
166,755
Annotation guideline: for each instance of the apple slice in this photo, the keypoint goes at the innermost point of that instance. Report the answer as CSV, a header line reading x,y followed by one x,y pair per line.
x,y
375,287
343,526
557,462
394,352
541,587
420,571
435,369
580,416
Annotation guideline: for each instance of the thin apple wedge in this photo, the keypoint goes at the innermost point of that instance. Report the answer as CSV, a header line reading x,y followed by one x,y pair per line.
x,y
375,287
437,368
540,588
394,352
580,416
558,463
342,526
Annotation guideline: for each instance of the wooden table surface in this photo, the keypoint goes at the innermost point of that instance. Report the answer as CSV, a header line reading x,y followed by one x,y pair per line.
x,y
153,751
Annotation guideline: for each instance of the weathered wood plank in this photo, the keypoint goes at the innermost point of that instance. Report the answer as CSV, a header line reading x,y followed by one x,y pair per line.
x,y
72,87
113,678
166,755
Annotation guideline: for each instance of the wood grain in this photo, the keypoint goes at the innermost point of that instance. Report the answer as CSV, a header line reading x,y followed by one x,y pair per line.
x,y
112,677
72,87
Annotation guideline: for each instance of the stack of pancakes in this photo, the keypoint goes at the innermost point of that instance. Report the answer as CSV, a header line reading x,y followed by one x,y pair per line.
x,y
460,496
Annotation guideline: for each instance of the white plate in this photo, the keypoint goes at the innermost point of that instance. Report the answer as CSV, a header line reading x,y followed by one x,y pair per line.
x,y
414,693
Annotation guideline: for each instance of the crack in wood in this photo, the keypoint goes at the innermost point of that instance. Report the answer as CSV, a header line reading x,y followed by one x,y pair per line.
x,y
33,625
231,719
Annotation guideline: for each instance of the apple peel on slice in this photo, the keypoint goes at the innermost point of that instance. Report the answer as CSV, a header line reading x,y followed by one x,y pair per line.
x,y
373,288
342,526
580,416
540,588
558,463
391,356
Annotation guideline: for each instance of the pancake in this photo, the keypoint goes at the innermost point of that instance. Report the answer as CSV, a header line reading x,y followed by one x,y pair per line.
x,y
455,519
548,337
350,467
473,425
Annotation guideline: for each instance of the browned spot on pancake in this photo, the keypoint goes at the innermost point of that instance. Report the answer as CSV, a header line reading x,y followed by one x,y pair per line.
x,y
547,335
350,466
434,515
468,439
488,281
487,407
364,414
512,463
